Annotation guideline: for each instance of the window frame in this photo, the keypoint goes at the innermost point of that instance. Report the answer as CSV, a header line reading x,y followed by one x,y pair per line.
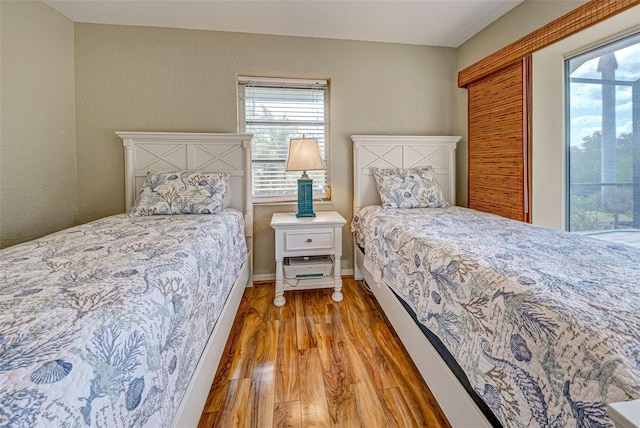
x,y
593,52
323,136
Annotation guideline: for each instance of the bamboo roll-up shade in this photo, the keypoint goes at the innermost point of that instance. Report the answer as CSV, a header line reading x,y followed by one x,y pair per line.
x,y
498,143
577,20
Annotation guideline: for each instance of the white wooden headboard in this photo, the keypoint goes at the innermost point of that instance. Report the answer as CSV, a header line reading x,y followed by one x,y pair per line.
x,y
401,151
174,151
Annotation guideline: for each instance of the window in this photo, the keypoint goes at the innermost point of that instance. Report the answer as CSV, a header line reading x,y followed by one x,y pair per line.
x,y
274,111
603,116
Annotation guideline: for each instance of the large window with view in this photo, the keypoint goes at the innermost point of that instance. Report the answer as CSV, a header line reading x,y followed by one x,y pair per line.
x,y
275,111
604,137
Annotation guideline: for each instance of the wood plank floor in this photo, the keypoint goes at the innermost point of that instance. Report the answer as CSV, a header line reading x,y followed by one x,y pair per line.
x,y
317,363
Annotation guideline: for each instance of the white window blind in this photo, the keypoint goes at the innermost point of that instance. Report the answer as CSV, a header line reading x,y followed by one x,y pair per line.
x,y
274,111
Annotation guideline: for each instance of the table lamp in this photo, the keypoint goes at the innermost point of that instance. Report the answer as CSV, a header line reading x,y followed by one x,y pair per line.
x,y
304,156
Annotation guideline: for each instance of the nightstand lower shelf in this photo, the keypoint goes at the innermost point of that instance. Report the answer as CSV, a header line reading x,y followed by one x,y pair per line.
x,y
308,246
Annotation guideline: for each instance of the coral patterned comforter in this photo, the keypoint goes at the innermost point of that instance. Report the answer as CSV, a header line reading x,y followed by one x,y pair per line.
x,y
545,324
103,324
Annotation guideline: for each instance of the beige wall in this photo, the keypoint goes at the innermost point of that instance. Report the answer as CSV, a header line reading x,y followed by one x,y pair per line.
x,y
159,79
520,21
37,126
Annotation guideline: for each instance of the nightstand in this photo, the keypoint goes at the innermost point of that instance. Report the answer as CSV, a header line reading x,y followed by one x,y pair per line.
x,y
302,240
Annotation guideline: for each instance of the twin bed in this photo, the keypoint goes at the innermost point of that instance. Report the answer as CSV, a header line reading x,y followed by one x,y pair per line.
x,y
122,321
509,324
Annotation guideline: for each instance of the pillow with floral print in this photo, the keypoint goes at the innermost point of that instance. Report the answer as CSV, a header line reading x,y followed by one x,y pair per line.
x,y
182,192
409,188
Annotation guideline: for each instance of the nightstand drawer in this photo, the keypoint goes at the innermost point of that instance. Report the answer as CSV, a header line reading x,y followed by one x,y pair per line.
x,y
307,240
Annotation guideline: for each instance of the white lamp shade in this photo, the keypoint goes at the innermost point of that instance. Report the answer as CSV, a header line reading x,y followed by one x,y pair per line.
x,y
304,155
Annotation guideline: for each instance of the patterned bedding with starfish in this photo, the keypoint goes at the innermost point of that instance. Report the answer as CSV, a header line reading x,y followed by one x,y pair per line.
x,y
103,324
544,323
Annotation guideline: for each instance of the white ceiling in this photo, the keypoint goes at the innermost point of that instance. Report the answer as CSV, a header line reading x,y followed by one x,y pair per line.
x,y
446,23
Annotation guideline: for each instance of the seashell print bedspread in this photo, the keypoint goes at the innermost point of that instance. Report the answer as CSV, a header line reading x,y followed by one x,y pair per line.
x,y
103,324
545,324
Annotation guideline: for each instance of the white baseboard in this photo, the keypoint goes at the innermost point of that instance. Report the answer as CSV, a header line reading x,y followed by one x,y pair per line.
x,y
265,277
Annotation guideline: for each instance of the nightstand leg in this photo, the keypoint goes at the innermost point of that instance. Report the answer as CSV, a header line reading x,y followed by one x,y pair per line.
x,y
279,300
337,279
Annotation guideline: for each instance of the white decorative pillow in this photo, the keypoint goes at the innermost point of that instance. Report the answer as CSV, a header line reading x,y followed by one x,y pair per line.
x,y
182,192
409,188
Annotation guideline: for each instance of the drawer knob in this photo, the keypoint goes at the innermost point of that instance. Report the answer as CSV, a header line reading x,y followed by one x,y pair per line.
x,y
309,240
